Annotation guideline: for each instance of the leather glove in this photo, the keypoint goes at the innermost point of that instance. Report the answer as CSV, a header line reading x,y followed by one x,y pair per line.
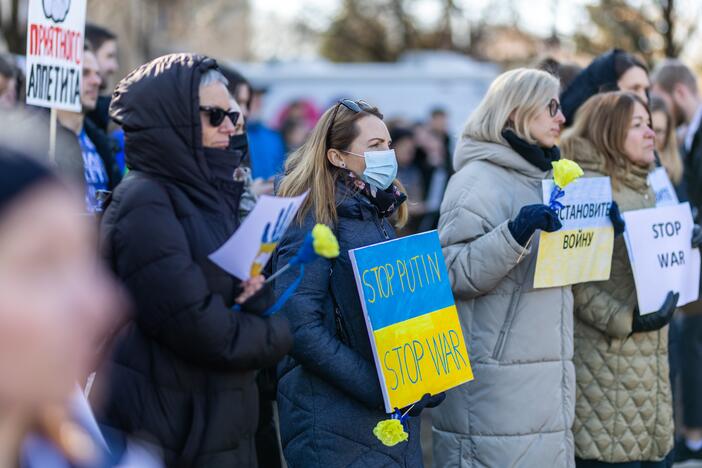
x,y
656,320
531,218
617,221
696,236
427,401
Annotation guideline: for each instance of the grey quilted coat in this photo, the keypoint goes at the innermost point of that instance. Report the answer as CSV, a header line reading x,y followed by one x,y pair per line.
x,y
623,406
518,411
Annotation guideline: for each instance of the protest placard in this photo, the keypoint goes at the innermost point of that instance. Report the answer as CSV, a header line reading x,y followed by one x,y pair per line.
x,y
660,184
55,36
412,321
248,250
662,259
582,249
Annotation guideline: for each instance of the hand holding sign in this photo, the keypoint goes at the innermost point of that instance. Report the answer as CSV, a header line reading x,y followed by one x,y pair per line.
x,y
659,244
658,319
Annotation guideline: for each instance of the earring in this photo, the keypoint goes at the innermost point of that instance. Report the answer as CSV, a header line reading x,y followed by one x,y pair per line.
x,y
343,165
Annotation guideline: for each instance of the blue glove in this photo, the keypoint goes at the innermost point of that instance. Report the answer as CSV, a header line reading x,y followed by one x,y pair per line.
x,y
531,218
617,221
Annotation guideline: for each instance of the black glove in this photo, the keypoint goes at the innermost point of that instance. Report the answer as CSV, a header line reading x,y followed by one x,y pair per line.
x,y
617,221
531,218
656,320
427,401
261,301
696,236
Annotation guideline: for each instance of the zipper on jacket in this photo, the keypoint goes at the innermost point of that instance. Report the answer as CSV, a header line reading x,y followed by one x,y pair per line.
x,y
507,325
381,225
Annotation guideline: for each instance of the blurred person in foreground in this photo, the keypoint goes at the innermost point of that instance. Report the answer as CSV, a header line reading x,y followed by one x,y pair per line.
x,y
56,306
183,374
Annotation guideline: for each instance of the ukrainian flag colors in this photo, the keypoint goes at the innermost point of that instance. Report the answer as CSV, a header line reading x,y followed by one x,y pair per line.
x,y
412,321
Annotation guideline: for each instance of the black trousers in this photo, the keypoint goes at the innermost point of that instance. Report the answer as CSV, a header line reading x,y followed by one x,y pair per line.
x,y
667,462
691,370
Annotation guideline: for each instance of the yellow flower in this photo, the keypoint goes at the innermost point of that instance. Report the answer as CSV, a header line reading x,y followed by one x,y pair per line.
x,y
390,432
325,243
565,171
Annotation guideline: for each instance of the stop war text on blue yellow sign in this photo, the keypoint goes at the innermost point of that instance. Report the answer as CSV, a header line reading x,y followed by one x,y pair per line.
x,y
413,325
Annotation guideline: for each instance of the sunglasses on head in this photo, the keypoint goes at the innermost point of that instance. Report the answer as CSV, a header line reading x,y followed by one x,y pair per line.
x,y
217,115
353,106
553,107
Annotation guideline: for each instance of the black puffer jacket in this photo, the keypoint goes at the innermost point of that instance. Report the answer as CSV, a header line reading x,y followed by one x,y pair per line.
x,y
183,371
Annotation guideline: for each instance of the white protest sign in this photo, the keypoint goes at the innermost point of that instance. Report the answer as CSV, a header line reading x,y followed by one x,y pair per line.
x,y
658,242
248,250
582,249
55,31
660,184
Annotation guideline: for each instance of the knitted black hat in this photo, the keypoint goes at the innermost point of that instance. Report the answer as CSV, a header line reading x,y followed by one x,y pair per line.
x,y
18,173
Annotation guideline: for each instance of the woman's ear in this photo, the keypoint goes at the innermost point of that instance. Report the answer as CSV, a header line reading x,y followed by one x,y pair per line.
x,y
335,158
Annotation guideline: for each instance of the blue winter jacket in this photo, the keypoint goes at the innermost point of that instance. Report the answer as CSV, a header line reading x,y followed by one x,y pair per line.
x,y
329,397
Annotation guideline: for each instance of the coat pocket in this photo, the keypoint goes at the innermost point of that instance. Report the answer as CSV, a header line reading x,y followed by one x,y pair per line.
x,y
503,337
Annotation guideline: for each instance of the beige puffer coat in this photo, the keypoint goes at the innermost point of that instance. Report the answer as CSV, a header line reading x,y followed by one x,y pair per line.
x,y
518,412
623,408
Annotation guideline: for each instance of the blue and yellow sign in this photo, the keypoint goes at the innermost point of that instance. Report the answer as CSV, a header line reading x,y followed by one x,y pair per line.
x,y
411,316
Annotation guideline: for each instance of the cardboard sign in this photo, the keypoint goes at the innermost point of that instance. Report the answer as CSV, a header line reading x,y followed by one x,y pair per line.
x,y
55,36
662,187
417,340
581,250
248,250
658,242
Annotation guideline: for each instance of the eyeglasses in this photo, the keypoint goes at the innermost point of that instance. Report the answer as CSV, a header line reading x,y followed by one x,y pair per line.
x,y
554,107
217,115
353,106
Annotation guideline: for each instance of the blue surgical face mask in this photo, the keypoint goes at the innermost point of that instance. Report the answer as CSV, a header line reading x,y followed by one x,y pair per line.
x,y
381,168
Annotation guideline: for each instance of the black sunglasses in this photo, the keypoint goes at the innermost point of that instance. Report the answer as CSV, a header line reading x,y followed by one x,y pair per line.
x,y
553,107
217,115
350,104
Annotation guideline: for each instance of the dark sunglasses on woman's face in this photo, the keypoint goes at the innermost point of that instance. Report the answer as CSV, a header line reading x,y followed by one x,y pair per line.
x,y
553,107
217,115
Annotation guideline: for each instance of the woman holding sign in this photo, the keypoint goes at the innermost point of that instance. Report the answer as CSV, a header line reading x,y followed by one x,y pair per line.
x,y
184,370
623,399
329,395
519,409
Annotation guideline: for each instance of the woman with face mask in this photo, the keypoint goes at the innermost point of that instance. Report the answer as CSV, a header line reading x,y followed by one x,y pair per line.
x,y
519,409
329,395
184,370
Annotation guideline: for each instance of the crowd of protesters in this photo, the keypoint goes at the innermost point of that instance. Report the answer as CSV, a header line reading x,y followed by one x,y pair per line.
x,y
124,345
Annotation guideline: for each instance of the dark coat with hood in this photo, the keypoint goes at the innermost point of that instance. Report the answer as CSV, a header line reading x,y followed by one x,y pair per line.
x,y
600,76
329,396
183,371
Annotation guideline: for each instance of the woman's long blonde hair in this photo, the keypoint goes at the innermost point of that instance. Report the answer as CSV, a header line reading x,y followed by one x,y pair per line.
x,y
513,100
670,157
309,169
